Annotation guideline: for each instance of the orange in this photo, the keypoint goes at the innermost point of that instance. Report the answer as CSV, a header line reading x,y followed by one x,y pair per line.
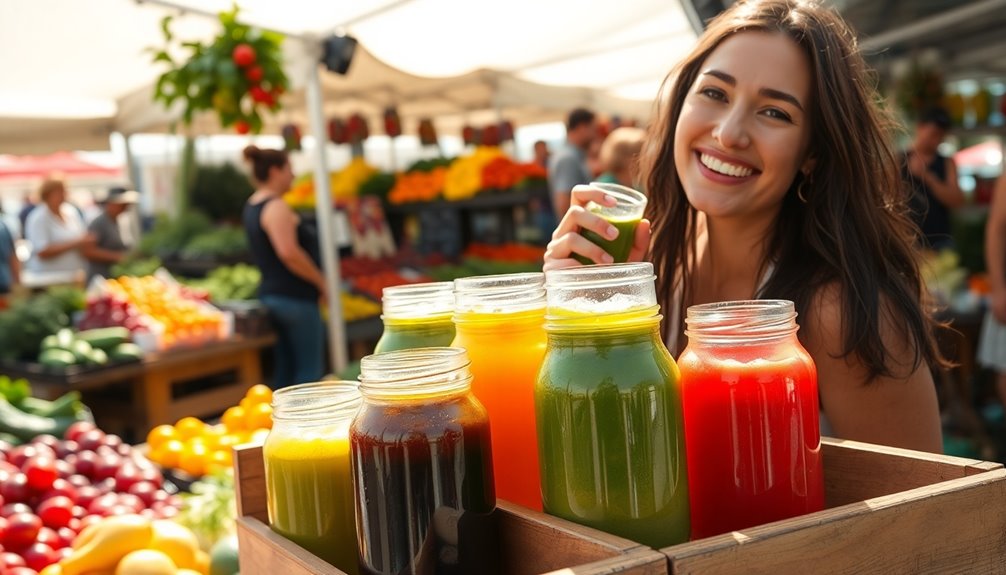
x,y
234,418
159,435
167,455
259,417
189,427
193,459
259,394
221,457
213,434
246,404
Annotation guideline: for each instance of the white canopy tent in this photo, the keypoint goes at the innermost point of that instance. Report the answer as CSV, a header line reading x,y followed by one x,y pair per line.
x,y
73,72
79,70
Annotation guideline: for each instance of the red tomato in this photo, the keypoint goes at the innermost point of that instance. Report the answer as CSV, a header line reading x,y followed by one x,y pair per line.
x,y
39,556
75,430
22,529
254,74
41,473
241,127
56,512
243,55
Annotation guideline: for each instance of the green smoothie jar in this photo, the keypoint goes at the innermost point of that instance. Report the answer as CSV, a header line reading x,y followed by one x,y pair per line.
x,y
417,316
624,215
608,407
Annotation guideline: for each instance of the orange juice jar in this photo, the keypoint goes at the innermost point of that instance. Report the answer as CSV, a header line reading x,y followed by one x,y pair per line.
x,y
500,321
309,485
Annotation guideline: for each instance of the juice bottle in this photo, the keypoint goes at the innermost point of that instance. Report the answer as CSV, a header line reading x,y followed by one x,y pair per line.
x,y
309,486
417,315
624,215
610,439
422,467
751,417
500,321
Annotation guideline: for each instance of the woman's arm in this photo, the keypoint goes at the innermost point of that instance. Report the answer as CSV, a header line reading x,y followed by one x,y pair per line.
x,y
899,411
280,224
995,250
948,192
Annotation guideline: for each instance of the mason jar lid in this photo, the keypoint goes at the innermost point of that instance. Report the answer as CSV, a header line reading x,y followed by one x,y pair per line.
x,y
415,373
317,402
741,321
505,293
421,300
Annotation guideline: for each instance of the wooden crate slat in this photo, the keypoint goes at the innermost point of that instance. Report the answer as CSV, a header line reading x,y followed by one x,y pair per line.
x,y
957,526
263,552
249,484
855,471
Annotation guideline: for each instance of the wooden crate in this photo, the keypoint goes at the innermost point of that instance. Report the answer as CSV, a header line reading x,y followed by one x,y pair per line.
x,y
889,511
531,543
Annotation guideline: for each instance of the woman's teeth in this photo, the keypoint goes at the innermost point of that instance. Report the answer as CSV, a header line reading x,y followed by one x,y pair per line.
x,y
724,168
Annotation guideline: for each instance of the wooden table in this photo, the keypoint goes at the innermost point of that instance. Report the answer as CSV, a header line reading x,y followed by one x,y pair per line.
x,y
156,376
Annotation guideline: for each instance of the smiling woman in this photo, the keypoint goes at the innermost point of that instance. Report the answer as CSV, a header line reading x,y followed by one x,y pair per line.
x,y
771,176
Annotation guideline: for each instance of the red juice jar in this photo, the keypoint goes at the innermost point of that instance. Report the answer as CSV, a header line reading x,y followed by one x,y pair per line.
x,y
422,467
751,417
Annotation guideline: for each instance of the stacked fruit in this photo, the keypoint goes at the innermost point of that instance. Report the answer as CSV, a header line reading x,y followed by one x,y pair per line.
x,y
197,448
134,545
180,312
51,490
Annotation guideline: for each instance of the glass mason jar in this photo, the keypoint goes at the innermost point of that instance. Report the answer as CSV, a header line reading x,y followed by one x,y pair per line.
x,y
500,320
422,467
608,405
416,316
309,485
751,416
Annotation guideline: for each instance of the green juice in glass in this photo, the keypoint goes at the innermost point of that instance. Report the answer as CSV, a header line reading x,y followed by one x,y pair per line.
x,y
619,247
624,215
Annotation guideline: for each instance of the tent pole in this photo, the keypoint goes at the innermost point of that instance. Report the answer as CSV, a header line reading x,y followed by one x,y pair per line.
x,y
323,209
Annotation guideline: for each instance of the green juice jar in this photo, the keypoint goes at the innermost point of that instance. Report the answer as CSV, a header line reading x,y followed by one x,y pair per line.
x,y
608,407
417,316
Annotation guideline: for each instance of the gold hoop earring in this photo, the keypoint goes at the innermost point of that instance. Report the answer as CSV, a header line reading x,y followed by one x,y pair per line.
x,y
799,189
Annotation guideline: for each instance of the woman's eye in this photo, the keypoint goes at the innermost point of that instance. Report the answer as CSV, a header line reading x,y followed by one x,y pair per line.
x,y
713,93
778,114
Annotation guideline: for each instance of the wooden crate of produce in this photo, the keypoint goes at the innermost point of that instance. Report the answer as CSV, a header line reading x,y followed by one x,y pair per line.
x,y
531,543
889,511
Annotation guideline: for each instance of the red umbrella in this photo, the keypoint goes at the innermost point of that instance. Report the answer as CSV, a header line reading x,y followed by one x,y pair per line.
x,y
66,164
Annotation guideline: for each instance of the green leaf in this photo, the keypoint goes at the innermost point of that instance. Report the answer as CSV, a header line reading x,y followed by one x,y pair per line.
x,y
163,56
166,27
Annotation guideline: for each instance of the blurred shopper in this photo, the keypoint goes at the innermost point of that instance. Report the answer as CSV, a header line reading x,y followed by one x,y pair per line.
x,y
10,266
568,167
56,232
541,153
992,345
932,179
292,287
26,207
620,157
108,247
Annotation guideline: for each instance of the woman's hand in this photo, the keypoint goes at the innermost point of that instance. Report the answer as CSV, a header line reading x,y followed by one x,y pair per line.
x,y
566,239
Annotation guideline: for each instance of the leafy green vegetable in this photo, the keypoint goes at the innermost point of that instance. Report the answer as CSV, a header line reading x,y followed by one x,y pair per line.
x,y
14,390
210,510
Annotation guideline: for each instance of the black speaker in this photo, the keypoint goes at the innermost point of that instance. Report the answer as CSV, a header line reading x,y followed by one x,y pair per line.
x,y
700,12
338,53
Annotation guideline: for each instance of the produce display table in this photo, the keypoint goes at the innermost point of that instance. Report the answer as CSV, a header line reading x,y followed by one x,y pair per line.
x,y
158,373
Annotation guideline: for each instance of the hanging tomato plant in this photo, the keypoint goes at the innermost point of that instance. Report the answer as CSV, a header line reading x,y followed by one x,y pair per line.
x,y
239,74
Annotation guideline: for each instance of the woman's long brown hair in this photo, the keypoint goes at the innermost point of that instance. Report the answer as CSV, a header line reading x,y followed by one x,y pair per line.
x,y
852,231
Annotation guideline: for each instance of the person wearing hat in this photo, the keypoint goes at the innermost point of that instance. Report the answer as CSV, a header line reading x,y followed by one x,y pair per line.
x,y
932,180
108,248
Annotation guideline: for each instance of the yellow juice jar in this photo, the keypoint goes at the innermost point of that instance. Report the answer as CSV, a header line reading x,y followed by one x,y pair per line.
x,y
417,316
309,484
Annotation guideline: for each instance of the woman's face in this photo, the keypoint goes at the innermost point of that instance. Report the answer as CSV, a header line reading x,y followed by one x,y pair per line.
x,y
743,132
283,176
55,198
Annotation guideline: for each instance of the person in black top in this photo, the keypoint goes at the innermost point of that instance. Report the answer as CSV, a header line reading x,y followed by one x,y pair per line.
x,y
932,180
293,286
